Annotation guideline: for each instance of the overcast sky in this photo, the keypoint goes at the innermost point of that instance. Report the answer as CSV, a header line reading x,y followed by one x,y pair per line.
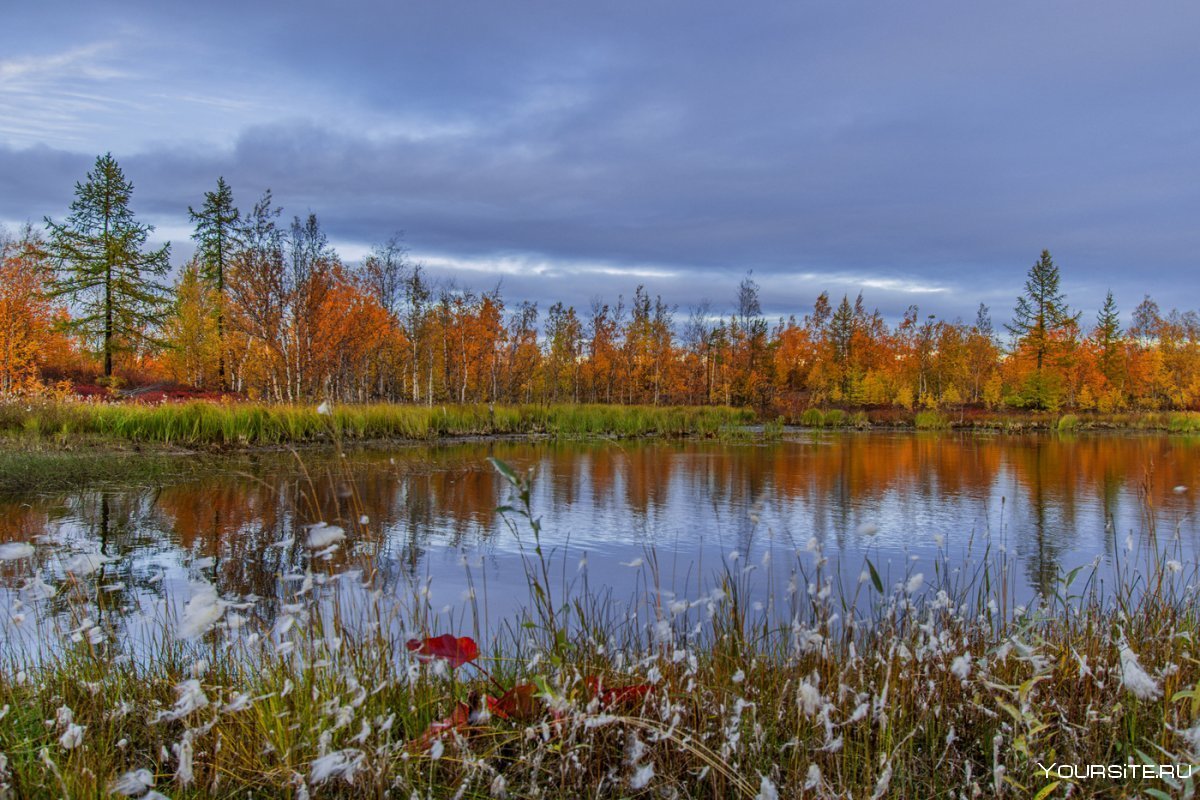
x,y
919,152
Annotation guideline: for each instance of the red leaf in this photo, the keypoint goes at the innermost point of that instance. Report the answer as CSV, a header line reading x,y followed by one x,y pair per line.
x,y
518,703
611,696
457,651
459,719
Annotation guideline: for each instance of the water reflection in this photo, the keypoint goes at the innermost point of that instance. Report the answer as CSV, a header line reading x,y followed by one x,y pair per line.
x,y
414,514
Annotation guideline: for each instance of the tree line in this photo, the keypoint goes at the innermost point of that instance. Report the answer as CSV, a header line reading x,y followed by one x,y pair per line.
x,y
266,309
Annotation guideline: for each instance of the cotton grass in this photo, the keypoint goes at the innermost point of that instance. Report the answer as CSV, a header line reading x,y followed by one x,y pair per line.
x,y
932,686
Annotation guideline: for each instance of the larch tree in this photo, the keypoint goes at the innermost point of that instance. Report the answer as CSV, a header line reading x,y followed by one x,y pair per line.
x,y
1042,310
103,267
1042,323
1108,340
218,237
191,330
841,337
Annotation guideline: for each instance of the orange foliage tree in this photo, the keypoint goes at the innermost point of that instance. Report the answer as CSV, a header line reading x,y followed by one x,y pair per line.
x,y
280,316
29,321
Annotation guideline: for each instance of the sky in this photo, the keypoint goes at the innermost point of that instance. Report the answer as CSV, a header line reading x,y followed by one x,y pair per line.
x,y
921,153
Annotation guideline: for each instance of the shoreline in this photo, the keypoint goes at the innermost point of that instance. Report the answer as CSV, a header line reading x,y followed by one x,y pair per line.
x,y
81,461
55,446
243,426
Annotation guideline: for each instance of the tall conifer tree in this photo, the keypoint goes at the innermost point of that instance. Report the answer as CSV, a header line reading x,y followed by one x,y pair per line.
x,y
217,236
1108,339
102,267
1042,311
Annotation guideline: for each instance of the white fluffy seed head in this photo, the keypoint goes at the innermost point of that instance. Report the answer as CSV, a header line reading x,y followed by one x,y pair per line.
x,y
961,667
321,536
132,783
642,777
1135,679
12,551
72,737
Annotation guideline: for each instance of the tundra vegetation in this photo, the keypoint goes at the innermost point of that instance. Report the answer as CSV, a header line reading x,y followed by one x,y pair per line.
x,y
842,685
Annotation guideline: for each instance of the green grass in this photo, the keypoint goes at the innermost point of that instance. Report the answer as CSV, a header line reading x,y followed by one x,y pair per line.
x,y
772,430
835,418
1068,422
234,425
1184,422
812,418
250,424
931,421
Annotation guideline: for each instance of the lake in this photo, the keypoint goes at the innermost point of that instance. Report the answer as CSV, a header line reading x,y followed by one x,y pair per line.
x,y
617,518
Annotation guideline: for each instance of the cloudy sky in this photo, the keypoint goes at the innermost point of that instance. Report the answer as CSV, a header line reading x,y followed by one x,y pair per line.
x,y
920,152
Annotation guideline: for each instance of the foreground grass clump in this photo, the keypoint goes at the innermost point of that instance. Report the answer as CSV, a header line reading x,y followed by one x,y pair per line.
x,y
237,424
843,686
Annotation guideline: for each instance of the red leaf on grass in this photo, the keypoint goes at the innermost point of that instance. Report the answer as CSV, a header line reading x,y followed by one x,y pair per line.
x,y
612,696
457,651
459,719
518,703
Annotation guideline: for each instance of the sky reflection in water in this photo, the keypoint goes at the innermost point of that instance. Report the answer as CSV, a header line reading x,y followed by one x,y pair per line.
x,y
692,509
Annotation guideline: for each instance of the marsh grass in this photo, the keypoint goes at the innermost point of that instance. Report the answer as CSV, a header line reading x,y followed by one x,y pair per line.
x,y
831,418
247,424
931,421
1184,422
843,685
40,470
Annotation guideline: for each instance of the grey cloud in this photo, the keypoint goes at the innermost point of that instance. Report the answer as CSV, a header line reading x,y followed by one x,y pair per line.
x,y
823,146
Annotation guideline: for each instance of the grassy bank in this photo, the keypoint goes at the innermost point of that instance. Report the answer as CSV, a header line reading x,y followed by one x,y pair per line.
x,y
932,686
233,424
1004,421
249,424
51,470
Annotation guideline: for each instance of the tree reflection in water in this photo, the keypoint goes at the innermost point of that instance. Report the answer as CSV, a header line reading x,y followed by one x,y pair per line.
x,y
1056,502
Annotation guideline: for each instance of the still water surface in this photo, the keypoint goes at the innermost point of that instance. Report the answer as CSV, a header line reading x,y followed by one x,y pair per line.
x,y
426,516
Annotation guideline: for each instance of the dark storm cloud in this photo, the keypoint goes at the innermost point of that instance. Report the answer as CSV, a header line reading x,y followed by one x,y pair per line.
x,y
921,153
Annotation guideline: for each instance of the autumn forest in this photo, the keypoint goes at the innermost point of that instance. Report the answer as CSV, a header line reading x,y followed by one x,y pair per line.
x,y
267,310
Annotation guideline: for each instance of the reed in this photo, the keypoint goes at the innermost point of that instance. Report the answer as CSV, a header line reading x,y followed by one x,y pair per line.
x,y
1068,422
812,418
931,421
251,424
